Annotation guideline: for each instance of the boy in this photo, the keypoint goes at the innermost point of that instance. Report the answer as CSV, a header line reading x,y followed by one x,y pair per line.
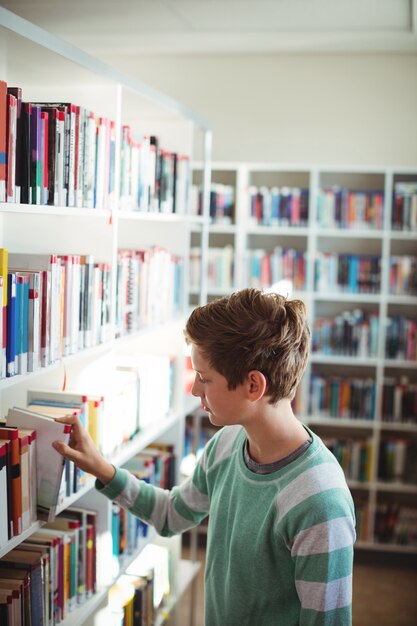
x,y
281,527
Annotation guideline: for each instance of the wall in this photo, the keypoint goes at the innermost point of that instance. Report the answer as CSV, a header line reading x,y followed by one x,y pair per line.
x,y
295,108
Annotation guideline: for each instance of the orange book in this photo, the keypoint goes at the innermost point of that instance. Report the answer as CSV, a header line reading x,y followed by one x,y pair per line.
x,y
12,435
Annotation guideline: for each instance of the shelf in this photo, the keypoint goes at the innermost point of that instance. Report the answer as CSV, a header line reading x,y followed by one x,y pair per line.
x,y
13,543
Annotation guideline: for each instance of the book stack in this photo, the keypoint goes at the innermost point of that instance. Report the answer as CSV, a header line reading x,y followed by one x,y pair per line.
x,y
57,153
151,179
263,269
53,306
148,289
61,154
222,202
53,571
401,338
137,594
404,206
352,333
403,275
395,524
338,207
345,398
399,400
347,273
284,206
354,456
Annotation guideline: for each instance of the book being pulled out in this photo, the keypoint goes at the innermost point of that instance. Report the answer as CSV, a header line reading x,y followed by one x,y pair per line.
x,y
49,463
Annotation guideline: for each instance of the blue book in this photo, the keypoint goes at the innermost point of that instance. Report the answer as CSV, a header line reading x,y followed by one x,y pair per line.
x,y
11,347
22,293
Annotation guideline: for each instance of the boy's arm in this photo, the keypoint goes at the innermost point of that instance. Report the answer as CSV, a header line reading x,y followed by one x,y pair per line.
x,y
170,512
323,557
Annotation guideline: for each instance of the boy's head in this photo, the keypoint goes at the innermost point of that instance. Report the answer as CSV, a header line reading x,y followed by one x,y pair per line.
x,y
254,330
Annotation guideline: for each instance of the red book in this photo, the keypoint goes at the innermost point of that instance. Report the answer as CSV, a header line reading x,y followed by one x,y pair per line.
x,y
12,435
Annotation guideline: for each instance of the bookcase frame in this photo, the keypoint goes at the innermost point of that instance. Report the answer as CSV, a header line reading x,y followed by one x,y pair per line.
x,y
50,69
241,234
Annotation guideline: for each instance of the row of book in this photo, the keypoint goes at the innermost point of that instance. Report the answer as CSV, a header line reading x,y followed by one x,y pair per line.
x,y
61,154
351,333
403,275
221,205
55,153
354,457
355,333
342,398
149,286
156,465
263,269
278,206
220,267
339,207
51,573
404,206
395,524
399,400
347,273
52,306
362,517
151,178
401,338
394,461
138,594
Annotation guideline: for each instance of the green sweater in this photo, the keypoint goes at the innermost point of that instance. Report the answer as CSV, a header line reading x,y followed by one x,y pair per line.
x,y
279,546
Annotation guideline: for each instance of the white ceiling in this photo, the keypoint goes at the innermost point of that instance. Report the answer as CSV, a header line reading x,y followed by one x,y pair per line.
x,y
137,27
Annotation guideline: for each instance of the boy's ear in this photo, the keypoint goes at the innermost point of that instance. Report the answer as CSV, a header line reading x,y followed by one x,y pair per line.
x,y
256,382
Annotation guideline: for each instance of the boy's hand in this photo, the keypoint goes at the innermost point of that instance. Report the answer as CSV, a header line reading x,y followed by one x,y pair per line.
x,y
82,451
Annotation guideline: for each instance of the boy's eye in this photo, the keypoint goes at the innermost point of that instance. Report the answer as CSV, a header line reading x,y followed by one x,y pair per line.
x,y
202,380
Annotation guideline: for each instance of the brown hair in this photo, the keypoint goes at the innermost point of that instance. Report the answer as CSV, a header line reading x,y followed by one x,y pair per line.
x,y
253,330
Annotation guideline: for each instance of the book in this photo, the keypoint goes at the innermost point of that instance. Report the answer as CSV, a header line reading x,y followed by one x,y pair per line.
x,y
3,139
12,435
36,153
11,147
17,93
22,289
4,265
32,448
49,463
4,478
12,326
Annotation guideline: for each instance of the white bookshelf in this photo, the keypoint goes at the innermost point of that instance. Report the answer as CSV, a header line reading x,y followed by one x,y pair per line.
x,y
312,238
49,69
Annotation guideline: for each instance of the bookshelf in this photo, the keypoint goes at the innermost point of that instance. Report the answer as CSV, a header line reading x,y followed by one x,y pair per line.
x,y
309,249
51,70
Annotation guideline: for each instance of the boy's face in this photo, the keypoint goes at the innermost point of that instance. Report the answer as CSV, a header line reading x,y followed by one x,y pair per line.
x,y
224,406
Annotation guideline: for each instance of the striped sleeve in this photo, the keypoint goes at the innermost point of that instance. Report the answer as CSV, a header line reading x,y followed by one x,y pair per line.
x,y
320,531
169,511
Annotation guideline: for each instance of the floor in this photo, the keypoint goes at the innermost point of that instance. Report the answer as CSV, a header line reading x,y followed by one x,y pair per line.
x,y
384,593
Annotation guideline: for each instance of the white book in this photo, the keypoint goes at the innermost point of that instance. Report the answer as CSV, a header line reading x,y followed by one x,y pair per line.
x,y
3,490
49,463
